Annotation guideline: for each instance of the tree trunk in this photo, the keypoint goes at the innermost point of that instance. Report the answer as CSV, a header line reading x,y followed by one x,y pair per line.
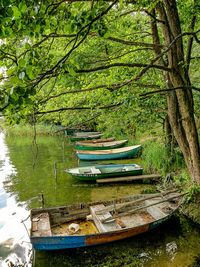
x,y
180,101
168,131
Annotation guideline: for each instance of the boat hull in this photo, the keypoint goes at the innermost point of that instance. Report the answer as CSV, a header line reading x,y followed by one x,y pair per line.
x,y
85,147
82,138
94,177
110,139
120,155
66,242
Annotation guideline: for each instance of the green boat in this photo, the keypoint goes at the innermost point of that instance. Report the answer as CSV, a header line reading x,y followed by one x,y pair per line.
x,y
92,173
94,141
100,146
79,136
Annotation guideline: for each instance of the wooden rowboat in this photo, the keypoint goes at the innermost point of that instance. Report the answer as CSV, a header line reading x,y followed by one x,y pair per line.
x,y
71,131
96,140
91,173
117,153
100,146
100,222
85,136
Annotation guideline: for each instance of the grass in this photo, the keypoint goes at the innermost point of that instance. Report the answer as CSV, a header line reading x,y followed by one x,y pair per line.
x,y
28,130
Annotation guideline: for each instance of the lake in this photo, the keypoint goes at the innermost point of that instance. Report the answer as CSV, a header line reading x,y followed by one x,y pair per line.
x,y
28,170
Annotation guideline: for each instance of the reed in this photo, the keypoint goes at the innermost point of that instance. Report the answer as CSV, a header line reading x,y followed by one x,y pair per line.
x,y
28,130
158,158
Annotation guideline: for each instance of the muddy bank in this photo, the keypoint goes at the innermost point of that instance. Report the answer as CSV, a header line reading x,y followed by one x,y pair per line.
x,y
192,210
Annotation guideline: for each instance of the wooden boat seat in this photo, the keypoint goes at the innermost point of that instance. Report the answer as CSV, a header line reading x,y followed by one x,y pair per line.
x,y
95,170
41,225
155,211
111,225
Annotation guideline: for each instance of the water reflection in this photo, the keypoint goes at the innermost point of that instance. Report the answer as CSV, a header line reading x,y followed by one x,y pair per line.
x,y
13,237
21,187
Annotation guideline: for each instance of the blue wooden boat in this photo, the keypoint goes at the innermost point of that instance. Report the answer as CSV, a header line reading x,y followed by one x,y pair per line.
x,y
117,153
92,173
100,222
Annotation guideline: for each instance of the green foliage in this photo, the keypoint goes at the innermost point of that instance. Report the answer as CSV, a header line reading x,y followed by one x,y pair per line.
x,y
194,191
37,54
158,158
182,178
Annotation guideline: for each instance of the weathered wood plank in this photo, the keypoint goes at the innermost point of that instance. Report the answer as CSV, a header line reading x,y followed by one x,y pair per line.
x,y
117,207
145,207
103,227
67,218
129,178
42,225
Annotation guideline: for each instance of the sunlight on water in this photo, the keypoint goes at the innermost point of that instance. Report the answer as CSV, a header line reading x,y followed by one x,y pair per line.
x,y
13,236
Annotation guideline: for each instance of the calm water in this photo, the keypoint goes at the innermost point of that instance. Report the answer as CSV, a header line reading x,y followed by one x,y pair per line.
x,y
27,171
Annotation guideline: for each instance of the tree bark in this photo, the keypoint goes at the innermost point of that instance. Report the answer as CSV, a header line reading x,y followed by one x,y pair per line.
x,y
180,102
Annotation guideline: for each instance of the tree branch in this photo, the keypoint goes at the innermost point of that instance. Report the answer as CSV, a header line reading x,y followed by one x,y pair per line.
x,y
130,65
190,42
1,109
76,45
75,108
169,89
130,42
112,58
10,56
95,88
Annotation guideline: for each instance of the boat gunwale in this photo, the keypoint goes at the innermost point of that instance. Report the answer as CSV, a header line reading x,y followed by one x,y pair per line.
x,y
103,140
96,175
109,151
102,144
87,240
110,232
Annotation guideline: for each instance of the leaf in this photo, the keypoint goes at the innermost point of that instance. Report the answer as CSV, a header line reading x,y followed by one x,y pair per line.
x,y
16,12
27,46
29,71
22,7
71,71
120,4
37,29
68,28
21,63
106,35
10,71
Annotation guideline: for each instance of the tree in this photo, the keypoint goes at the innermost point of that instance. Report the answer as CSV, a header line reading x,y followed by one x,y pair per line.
x,y
99,50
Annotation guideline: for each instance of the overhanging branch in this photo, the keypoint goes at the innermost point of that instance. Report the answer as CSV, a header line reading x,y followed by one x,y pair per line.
x,y
75,108
169,89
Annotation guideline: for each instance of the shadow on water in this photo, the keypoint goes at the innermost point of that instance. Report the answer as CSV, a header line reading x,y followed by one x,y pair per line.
x,y
176,243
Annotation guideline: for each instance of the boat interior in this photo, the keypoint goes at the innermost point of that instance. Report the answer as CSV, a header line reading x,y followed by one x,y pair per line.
x,y
108,151
96,141
103,144
104,169
98,217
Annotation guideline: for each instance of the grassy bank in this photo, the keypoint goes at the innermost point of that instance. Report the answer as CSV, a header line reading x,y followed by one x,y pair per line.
x,y
28,130
156,156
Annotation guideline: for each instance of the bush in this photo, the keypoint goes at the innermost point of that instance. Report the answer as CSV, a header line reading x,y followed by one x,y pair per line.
x,y
158,158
